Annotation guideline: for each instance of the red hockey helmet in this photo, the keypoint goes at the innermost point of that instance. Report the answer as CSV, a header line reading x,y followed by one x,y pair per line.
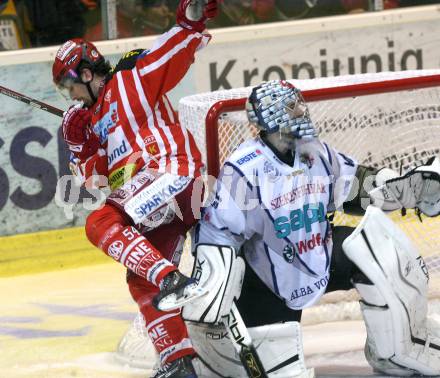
x,y
68,59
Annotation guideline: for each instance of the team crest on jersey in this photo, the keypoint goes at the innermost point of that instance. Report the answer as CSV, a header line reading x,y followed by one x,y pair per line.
x,y
289,253
272,172
151,145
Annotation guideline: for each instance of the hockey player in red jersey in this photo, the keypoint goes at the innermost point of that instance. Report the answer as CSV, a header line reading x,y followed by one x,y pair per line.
x,y
128,132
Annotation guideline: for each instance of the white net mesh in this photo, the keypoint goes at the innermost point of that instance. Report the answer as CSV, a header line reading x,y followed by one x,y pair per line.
x,y
395,129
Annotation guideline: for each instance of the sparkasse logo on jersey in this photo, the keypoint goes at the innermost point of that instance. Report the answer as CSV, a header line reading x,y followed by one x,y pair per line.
x,y
248,157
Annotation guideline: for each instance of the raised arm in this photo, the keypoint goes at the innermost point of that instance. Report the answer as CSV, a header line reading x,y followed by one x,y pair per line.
x,y
162,67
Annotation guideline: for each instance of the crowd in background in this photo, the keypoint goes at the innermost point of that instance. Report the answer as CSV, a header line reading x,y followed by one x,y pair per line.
x,y
36,23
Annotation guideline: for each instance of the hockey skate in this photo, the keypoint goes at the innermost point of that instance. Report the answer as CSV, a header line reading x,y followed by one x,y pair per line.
x,y
180,368
177,289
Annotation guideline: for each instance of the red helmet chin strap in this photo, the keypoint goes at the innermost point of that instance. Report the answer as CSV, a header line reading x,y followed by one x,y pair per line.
x,y
89,89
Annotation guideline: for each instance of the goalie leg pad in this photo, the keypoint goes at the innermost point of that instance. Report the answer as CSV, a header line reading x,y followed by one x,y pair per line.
x,y
278,345
395,307
220,271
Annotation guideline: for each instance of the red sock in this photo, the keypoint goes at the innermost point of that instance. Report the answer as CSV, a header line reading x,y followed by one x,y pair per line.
x,y
126,245
166,330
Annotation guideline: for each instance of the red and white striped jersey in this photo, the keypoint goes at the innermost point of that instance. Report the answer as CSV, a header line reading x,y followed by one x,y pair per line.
x,y
134,119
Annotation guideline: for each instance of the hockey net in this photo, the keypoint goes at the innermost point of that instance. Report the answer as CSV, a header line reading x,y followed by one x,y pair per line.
x,y
387,119
383,120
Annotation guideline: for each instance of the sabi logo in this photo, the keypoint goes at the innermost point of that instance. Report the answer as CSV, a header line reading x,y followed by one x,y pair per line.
x,y
289,253
115,249
300,218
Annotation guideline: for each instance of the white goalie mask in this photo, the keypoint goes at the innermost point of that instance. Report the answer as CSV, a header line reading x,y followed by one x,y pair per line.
x,y
279,106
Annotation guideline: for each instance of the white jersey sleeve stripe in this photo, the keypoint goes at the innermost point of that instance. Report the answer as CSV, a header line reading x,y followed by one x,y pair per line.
x,y
150,119
191,165
155,322
173,160
169,109
130,116
155,65
160,41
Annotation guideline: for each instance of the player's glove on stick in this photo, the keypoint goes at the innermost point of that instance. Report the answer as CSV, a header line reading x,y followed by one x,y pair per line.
x,y
418,188
193,14
77,133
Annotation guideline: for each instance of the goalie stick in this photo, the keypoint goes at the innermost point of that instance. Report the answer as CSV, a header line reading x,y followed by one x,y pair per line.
x,y
242,341
30,101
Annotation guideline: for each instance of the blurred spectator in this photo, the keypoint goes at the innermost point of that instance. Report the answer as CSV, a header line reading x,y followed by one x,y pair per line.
x,y
12,31
299,9
55,21
247,12
323,8
125,12
356,6
411,3
152,17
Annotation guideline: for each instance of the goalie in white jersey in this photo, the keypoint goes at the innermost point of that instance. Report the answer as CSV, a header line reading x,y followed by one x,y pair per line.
x,y
271,203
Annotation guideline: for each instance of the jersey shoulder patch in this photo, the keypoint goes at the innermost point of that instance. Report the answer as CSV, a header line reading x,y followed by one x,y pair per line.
x,y
246,155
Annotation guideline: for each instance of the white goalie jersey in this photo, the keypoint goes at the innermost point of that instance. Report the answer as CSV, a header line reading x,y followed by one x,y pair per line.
x,y
277,214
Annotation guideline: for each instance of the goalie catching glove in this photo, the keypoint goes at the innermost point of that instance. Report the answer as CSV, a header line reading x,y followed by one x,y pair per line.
x,y
193,14
417,189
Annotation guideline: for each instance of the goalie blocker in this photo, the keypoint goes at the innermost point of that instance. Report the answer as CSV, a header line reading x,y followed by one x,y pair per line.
x,y
225,348
419,188
394,304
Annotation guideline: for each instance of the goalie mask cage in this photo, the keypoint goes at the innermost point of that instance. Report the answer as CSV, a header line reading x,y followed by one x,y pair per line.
x,y
389,119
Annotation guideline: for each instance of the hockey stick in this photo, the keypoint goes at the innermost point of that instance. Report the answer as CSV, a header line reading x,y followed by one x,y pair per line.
x,y
30,101
242,341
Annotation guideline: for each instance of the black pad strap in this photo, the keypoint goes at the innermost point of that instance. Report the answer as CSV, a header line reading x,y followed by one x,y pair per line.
x,y
358,192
